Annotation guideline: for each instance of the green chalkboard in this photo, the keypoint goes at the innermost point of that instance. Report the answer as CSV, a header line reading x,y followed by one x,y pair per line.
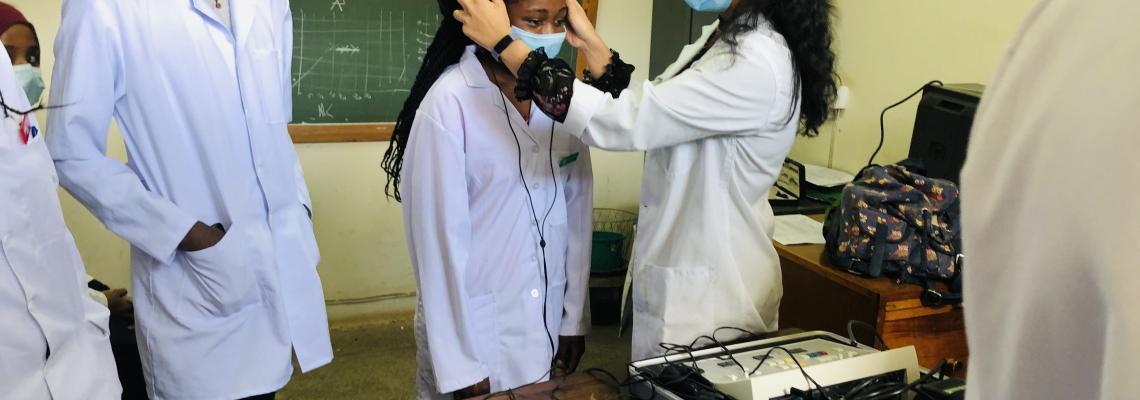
x,y
354,60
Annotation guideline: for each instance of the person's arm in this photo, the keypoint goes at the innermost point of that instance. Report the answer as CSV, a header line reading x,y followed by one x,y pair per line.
x,y
613,79
724,95
438,225
486,22
286,49
87,83
579,193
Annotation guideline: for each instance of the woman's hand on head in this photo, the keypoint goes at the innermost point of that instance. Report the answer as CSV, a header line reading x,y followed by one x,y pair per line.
x,y
484,21
580,33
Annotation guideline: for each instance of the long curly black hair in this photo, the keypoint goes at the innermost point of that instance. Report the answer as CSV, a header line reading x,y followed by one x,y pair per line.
x,y
806,26
445,50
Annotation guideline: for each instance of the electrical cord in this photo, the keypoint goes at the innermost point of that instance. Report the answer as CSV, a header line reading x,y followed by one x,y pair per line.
x,y
851,333
894,390
733,328
541,226
882,118
810,380
727,353
867,390
672,349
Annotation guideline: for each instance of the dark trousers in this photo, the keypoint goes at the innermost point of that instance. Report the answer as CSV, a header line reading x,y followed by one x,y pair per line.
x,y
127,361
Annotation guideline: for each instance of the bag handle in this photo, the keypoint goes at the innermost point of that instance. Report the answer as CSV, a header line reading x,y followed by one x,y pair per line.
x,y
875,268
933,298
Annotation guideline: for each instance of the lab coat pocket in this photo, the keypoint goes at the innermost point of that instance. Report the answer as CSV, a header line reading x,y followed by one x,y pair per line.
x,y
271,88
674,301
485,331
222,281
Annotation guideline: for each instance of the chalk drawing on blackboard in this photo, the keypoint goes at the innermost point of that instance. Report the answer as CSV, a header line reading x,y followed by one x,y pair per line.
x,y
362,60
325,111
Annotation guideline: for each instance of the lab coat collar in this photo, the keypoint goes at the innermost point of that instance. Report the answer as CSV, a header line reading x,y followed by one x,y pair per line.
x,y
473,71
206,8
474,74
241,13
476,78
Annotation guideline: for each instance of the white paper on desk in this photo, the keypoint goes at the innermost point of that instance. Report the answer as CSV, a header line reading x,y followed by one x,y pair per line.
x,y
798,229
826,177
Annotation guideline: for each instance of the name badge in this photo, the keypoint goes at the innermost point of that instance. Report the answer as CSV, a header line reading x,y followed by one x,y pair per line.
x,y
570,159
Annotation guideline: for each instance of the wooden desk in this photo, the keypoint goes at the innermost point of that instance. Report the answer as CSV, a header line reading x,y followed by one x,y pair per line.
x,y
818,296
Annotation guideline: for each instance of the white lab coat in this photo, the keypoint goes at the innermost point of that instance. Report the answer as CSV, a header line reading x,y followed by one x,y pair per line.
x,y
1049,216
717,135
204,115
43,303
474,243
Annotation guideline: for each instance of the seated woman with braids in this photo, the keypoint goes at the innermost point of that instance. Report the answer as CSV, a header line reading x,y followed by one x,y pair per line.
x,y
497,211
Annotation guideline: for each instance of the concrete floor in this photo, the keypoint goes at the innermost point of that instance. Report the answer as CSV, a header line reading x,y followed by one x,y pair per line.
x,y
378,361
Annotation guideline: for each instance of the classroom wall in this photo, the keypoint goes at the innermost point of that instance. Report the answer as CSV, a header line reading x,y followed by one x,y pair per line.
x,y
890,48
365,268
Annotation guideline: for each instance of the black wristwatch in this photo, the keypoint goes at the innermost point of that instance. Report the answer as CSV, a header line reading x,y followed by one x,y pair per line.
x,y
503,45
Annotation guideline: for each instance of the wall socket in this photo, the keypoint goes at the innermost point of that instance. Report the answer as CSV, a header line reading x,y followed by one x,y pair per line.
x,y
842,98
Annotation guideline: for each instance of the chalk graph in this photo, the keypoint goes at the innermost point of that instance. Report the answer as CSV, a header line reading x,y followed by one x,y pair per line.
x,y
354,60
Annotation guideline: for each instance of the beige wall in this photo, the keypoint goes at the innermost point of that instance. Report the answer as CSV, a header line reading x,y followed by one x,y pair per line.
x,y
365,267
888,49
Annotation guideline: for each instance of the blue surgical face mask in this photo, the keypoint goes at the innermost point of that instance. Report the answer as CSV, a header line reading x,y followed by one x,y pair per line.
x,y
551,43
32,80
717,6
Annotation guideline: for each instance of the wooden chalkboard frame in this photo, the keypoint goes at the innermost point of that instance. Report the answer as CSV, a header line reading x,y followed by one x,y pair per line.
x,y
382,132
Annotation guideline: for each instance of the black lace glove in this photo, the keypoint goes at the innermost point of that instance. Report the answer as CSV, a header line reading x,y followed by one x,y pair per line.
x,y
615,79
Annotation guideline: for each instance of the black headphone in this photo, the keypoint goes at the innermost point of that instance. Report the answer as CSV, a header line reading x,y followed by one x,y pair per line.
x,y
534,213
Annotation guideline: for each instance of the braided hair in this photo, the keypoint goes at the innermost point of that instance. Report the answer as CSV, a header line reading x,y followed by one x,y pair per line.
x,y
445,50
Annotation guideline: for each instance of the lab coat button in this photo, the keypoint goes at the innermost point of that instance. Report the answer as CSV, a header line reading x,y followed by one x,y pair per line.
x,y
534,293
534,259
536,186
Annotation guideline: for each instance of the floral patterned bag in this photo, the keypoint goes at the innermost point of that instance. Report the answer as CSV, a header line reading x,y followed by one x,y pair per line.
x,y
894,222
